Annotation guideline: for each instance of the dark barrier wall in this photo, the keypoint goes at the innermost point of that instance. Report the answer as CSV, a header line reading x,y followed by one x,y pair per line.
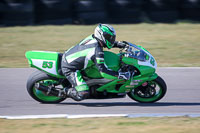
x,y
34,12
162,10
90,11
16,12
190,9
53,11
125,11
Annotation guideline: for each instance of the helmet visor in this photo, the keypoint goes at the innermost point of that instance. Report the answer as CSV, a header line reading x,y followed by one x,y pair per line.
x,y
109,38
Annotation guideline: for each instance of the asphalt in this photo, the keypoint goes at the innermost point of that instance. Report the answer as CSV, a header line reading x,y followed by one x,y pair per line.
x,y
183,96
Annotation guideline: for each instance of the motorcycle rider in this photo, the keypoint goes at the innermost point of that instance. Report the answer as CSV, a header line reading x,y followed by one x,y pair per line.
x,y
88,52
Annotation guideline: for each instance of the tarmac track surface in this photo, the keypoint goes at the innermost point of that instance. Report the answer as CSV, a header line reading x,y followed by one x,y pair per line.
x,y
183,96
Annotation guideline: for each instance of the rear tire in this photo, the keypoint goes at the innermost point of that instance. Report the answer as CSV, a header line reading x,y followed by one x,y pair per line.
x,y
37,94
158,82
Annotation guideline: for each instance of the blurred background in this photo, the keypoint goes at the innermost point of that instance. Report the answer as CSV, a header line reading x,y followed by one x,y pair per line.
x,y
169,29
59,12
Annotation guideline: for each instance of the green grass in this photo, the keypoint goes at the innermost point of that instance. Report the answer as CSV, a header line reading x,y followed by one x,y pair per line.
x,y
171,44
103,125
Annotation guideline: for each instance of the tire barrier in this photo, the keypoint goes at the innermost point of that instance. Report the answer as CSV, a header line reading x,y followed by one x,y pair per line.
x,y
125,11
163,16
53,11
15,12
90,11
190,10
91,17
34,12
164,11
2,8
89,5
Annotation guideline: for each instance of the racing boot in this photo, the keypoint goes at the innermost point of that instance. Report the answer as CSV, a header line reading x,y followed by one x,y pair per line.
x,y
77,96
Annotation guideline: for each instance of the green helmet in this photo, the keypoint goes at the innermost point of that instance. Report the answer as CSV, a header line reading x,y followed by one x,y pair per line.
x,y
106,34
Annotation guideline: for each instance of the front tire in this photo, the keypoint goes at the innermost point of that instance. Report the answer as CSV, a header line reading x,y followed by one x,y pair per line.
x,y
152,92
38,95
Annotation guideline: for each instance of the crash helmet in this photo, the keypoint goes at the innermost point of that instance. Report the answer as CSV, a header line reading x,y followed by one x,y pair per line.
x,y
105,34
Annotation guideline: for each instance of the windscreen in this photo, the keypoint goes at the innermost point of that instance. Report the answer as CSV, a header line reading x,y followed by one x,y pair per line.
x,y
137,53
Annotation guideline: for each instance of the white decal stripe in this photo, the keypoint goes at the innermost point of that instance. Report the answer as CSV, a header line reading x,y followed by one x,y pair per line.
x,y
69,60
100,58
76,78
88,57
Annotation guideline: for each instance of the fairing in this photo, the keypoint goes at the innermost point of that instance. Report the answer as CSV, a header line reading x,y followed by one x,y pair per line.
x,y
45,61
112,62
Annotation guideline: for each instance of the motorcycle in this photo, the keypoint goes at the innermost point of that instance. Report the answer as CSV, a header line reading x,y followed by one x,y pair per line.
x,y
144,86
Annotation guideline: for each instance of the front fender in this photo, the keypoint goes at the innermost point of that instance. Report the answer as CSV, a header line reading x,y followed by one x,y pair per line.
x,y
138,81
154,76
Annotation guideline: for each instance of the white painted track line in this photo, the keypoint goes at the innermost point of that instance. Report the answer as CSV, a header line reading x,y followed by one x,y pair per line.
x,y
98,116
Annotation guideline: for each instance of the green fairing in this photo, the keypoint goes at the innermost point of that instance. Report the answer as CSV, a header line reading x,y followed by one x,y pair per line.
x,y
111,60
92,72
145,70
53,75
107,76
110,87
43,55
130,61
144,78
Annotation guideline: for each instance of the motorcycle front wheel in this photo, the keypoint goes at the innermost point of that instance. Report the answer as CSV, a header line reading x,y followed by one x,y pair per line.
x,y
150,92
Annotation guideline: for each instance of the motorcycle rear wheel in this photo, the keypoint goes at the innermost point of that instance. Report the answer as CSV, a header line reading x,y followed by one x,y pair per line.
x,y
154,91
41,77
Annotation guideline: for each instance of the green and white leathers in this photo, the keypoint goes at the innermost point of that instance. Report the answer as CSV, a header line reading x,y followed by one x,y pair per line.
x,y
81,57
145,86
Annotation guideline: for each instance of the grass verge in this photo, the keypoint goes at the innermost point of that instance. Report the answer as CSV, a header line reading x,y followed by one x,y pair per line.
x,y
103,125
171,44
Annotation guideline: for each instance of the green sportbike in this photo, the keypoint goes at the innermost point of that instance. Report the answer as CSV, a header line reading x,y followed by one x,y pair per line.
x,y
144,86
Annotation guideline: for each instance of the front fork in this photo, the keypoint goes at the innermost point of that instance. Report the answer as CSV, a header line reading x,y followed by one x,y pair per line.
x,y
138,80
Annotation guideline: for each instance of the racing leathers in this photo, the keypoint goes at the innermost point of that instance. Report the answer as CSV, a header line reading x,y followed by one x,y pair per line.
x,y
85,54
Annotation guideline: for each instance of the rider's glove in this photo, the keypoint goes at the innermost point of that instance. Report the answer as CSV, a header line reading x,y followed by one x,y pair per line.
x,y
124,75
120,44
